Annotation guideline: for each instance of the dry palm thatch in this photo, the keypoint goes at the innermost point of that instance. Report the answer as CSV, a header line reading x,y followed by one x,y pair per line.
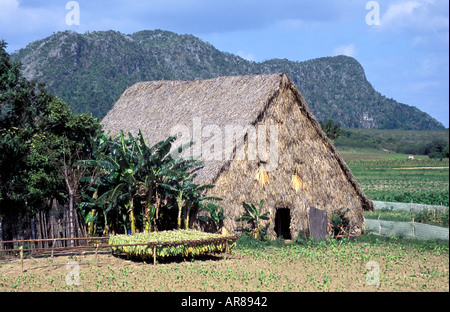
x,y
262,177
205,108
297,183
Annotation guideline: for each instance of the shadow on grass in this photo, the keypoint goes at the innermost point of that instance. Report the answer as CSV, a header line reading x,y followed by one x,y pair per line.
x,y
171,259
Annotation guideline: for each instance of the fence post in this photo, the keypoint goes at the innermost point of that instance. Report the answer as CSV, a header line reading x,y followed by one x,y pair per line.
x,y
379,225
21,256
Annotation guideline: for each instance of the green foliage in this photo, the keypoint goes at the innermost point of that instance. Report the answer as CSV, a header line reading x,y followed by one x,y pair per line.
x,y
428,216
136,185
394,178
423,197
39,137
215,216
340,223
437,149
412,142
103,64
331,129
433,217
48,152
254,216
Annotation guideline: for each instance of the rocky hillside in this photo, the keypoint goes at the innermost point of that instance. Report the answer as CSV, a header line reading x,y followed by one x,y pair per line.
x,y
90,71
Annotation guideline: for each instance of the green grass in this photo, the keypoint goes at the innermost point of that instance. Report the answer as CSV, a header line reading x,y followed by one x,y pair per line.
x,y
396,141
268,266
429,217
392,177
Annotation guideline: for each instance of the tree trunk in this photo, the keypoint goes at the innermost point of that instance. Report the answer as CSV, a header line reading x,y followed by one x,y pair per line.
x,y
91,226
188,212
157,204
180,203
148,208
131,216
43,226
71,220
54,233
69,176
106,228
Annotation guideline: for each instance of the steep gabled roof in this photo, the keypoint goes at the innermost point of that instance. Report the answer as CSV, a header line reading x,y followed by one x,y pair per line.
x,y
155,107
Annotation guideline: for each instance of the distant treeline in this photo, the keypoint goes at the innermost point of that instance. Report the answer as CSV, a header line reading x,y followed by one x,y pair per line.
x,y
434,143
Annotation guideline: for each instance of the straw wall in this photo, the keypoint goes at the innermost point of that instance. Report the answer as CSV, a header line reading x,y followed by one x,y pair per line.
x,y
303,152
303,149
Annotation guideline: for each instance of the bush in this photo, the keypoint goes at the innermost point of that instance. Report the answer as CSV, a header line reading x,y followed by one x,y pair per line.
x,y
340,224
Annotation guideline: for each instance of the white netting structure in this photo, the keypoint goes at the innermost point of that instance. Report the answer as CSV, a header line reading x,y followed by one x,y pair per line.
x,y
407,207
407,229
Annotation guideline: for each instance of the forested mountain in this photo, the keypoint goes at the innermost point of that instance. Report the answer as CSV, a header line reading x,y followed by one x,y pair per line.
x,y
90,71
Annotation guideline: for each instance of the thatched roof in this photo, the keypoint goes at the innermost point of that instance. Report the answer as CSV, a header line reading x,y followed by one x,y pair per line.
x,y
156,107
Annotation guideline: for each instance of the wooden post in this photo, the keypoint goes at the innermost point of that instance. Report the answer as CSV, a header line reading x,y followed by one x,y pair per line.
x,y
21,256
154,254
53,245
349,230
226,249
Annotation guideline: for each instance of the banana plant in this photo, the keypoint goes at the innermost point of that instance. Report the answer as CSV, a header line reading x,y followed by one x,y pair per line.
x,y
187,195
157,167
195,198
215,212
120,167
130,169
253,216
180,190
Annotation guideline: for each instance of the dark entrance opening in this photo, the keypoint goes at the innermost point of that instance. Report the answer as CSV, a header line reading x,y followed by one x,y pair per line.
x,y
283,222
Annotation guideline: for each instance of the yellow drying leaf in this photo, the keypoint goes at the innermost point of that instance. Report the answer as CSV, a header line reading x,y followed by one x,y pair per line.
x,y
297,183
262,177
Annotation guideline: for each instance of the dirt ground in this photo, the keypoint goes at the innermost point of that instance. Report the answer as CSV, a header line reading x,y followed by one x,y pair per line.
x,y
276,270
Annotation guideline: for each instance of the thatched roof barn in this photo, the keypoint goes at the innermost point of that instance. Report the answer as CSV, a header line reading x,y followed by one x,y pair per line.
x,y
290,162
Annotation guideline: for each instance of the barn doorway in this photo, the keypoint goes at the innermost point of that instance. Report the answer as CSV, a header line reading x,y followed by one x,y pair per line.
x,y
283,223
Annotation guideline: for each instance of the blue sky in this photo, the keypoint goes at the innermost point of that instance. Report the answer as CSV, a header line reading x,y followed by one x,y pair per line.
x,y
405,54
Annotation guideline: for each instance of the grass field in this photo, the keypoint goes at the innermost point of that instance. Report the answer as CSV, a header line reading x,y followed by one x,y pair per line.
x,y
368,263
392,177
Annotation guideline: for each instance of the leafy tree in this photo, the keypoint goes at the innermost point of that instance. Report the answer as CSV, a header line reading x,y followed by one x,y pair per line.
x,y
331,129
437,149
39,137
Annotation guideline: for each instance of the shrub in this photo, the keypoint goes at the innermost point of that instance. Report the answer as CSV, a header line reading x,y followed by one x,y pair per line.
x,y
340,224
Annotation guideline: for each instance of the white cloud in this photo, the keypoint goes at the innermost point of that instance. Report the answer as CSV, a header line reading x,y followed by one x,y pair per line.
x,y
418,16
399,12
18,19
346,49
